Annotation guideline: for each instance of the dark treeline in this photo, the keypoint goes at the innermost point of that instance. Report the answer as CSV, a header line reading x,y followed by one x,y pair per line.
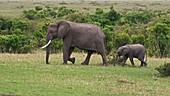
x,y
151,28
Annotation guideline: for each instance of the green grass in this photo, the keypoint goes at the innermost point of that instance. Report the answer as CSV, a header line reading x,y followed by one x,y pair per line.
x,y
28,75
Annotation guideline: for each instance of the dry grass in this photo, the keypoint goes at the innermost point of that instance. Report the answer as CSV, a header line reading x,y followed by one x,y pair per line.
x,y
27,74
39,57
14,8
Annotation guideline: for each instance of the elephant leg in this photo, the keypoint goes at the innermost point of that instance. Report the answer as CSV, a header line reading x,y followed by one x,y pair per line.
x,y
143,63
65,55
69,54
86,62
132,62
104,59
124,60
66,47
101,51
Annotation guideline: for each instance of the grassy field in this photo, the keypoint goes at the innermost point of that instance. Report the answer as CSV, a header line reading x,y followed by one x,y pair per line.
x,y
28,75
14,8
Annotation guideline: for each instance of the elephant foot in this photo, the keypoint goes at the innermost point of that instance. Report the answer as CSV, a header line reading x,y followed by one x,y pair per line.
x,y
72,60
64,63
146,64
104,64
143,65
84,63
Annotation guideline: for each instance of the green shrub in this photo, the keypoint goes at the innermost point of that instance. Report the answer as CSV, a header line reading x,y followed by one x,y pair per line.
x,y
110,37
164,70
62,11
39,13
30,14
138,39
159,38
1,23
74,16
2,44
56,46
138,17
122,39
38,8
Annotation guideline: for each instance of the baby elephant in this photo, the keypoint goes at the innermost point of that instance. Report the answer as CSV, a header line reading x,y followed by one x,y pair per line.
x,y
132,51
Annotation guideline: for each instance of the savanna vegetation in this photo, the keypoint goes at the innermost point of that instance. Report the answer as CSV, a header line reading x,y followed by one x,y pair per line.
x,y
23,27
148,27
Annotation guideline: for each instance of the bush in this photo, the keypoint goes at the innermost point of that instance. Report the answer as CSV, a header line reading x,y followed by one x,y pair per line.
x,y
110,36
39,12
164,70
56,46
30,14
38,8
122,39
16,44
62,11
138,39
159,38
74,16
2,43
138,17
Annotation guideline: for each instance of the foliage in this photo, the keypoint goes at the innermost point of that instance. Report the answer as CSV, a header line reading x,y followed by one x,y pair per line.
x,y
159,38
121,28
122,39
16,44
14,37
110,37
101,17
143,16
138,39
75,17
62,11
39,13
56,46
164,70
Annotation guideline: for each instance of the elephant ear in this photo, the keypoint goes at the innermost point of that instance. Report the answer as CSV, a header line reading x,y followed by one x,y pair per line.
x,y
63,27
125,50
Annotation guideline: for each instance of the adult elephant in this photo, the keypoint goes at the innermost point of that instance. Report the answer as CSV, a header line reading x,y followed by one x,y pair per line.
x,y
81,35
132,51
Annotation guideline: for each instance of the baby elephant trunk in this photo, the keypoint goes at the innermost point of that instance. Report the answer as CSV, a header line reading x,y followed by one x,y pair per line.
x,y
116,59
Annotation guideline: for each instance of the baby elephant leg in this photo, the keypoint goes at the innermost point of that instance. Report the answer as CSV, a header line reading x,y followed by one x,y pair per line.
x,y
131,60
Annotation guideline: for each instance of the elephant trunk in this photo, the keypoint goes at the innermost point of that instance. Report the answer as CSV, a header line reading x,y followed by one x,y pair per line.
x,y
47,46
47,51
116,59
47,54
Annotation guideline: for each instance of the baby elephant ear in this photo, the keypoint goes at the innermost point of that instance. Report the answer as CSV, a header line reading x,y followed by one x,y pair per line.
x,y
125,50
63,28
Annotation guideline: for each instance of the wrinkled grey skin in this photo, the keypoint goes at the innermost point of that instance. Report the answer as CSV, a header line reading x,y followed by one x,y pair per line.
x,y
84,36
132,51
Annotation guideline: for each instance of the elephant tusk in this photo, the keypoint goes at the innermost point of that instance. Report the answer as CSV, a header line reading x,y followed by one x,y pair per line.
x,y
46,44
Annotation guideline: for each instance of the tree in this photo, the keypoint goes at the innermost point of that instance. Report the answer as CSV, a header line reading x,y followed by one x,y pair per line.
x,y
159,38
